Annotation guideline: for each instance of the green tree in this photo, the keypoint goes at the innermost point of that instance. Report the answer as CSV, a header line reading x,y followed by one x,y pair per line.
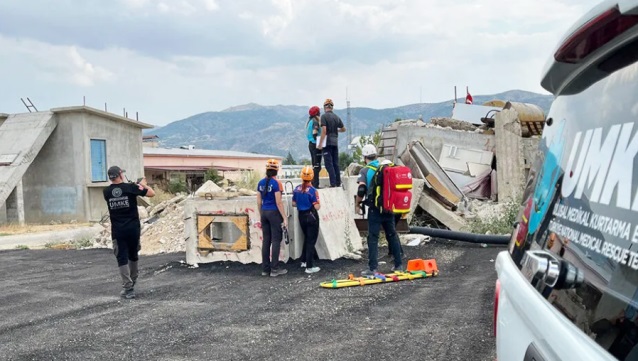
x,y
305,161
177,186
289,160
374,139
344,160
213,175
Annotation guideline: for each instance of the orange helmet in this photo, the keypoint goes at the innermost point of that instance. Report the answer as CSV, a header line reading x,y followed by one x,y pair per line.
x,y
328,102
272,164
307,173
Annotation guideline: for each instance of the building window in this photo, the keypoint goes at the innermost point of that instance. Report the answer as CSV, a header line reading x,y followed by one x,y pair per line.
x,y
98,160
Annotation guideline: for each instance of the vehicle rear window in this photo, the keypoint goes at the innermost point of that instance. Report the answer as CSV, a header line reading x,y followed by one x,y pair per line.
x,y
582,204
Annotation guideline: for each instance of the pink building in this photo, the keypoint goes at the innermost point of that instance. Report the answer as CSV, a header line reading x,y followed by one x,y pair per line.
x,y
162,165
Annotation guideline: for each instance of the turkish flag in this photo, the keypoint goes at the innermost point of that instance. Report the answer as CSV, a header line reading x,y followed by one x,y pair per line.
x,y
468,98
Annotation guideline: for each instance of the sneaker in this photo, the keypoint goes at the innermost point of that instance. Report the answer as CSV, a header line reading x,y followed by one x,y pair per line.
x,y
398,268
368,273
128,293
264,273
278,272
313,270
303,264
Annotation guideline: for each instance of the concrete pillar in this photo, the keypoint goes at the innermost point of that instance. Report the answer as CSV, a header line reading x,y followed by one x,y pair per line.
x,y
510,162
15,205
3,214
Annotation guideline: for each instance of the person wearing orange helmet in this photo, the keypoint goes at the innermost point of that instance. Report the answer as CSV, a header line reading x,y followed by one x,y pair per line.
x,y
273,218
331,126
313,131
306,198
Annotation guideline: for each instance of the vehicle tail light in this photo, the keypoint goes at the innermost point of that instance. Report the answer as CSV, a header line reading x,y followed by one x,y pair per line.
x,y
497,292
594,34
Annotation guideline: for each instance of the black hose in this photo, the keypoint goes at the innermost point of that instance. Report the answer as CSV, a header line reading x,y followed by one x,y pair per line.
x,y
461,236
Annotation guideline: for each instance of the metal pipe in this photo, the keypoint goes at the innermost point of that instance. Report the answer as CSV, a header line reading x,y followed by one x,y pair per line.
x,y
461,236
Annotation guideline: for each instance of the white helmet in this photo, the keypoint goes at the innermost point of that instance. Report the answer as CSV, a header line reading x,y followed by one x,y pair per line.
x,y
386,161
368,150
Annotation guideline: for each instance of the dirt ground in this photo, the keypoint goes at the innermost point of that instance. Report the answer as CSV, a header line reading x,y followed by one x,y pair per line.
x,y
7,230
64,305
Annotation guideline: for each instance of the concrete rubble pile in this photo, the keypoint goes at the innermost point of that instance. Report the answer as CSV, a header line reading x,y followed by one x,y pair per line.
x,y
163,224
210,190
162,228
471,169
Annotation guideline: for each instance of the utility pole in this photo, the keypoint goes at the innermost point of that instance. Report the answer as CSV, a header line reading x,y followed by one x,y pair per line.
x,y
348,119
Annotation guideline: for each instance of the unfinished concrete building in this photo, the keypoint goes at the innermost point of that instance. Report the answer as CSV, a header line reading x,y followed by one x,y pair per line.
x,y
53,164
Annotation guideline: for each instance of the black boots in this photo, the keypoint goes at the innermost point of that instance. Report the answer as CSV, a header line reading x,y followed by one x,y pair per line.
x,y
127,281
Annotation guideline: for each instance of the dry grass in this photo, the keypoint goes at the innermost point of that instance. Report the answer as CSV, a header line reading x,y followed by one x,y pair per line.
x,y
249,180
12,229
78,243
160,196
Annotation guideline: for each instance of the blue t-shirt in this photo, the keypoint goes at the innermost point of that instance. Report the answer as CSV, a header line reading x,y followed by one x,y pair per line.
x,y
366,173
311,127
305,199
268,200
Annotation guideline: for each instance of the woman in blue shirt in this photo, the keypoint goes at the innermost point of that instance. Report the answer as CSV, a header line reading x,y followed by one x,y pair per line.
x,y
306,198
271,213
313,131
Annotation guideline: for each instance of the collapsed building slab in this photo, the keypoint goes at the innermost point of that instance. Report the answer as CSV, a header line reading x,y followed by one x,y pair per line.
x,y
451,220
423,163
230,230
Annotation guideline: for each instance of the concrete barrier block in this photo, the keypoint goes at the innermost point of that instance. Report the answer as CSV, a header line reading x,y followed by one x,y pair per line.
x,y
338,234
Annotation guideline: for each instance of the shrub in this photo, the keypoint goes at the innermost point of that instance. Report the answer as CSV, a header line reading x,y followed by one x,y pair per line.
x,y
175,187
213,175
497,224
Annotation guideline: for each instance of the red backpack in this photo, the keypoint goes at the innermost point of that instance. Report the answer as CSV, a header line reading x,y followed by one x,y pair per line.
x,y
390,188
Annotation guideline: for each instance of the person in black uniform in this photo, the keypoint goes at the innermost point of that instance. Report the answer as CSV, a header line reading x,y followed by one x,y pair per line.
x,y
121,200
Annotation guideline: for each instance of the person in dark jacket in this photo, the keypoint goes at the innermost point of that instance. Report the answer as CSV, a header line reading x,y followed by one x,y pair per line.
x,y
121,200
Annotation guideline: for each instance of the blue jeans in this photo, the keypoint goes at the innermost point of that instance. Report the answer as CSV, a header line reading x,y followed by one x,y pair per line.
x,y
331,161
376,220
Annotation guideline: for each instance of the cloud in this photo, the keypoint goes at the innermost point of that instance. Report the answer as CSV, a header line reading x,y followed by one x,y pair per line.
x,y
173,58
84,73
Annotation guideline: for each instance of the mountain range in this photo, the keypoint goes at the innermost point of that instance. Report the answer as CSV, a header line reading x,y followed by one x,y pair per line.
x,y
279,129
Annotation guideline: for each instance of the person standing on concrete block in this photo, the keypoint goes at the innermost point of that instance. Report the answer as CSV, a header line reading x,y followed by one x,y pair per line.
x,y
306,198
273,218
376,218
331,126
313,131
121,200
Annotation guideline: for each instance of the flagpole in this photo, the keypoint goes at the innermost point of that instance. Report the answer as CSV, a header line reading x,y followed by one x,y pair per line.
x,y
455,95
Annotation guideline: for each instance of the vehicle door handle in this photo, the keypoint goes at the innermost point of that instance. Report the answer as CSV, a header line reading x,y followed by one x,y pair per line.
x,y
533,354
551,269
541,265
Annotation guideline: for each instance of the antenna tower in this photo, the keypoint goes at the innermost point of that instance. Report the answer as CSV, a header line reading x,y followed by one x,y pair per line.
x,y
348,119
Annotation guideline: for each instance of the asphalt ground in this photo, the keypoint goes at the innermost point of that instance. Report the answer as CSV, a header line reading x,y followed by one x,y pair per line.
x,y
65,305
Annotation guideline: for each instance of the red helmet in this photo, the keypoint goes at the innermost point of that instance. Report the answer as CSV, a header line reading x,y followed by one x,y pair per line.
x,y
314,111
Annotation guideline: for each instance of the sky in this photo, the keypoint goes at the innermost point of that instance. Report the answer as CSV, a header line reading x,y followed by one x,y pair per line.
x,y
170,59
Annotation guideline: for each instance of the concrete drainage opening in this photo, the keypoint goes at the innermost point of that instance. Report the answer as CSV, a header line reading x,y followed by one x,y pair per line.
x,y
222,232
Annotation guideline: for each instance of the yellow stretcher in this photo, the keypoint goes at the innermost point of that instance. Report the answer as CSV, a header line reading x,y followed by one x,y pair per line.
x,y
378,278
